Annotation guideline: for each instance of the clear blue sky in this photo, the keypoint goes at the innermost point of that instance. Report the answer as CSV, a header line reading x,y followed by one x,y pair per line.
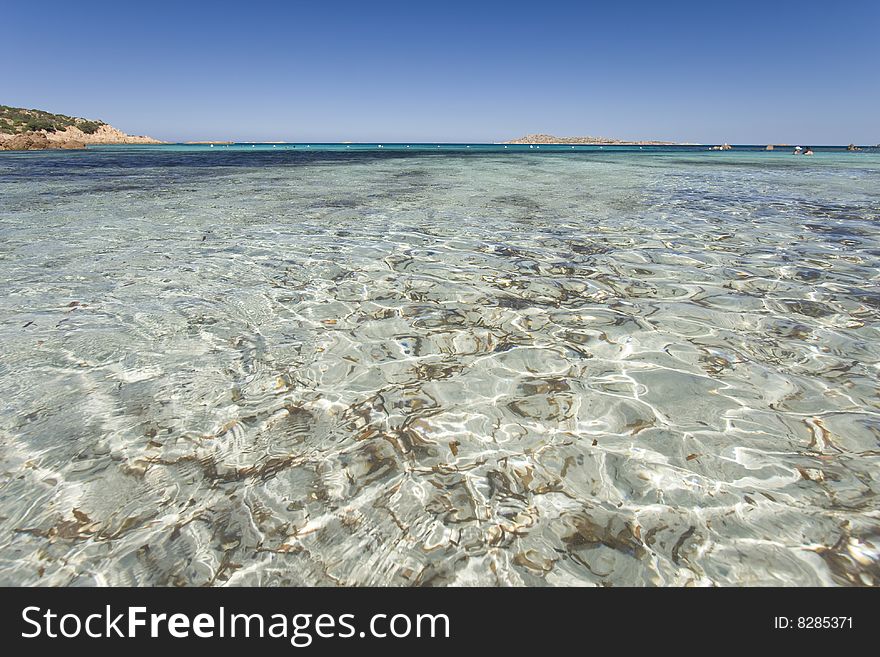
x,y
738,71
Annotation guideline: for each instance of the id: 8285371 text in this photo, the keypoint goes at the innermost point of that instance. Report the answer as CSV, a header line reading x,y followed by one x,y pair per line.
x,y
813,623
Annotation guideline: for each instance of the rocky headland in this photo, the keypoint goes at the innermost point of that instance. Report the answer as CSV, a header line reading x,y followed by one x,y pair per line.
x,y
31,130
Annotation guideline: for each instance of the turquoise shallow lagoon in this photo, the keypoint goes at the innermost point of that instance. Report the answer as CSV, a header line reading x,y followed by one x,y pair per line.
x,y
455,365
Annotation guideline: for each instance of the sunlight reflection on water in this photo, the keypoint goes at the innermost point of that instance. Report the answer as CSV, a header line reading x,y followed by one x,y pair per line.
x,y
275,368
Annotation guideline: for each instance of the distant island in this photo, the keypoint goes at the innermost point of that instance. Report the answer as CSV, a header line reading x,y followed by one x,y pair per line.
x,y
31,129
553,139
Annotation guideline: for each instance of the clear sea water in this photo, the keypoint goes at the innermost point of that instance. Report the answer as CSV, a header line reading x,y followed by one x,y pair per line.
x,y
411,365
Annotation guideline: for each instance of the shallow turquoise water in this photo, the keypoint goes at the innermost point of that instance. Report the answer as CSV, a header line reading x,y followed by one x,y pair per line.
x,y
332,365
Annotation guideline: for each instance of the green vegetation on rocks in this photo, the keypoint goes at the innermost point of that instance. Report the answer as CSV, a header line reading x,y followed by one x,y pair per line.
x,y
17,120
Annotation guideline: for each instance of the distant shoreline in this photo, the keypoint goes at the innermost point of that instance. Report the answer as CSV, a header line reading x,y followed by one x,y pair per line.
x,y
518,146
24,129
540,138
38,141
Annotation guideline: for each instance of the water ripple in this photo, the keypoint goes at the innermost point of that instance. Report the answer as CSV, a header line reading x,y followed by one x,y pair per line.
x,y
619,369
